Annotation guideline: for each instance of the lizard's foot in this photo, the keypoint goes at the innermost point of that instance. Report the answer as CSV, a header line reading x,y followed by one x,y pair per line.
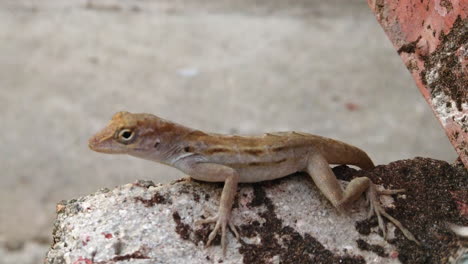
x,y
222,221
372,196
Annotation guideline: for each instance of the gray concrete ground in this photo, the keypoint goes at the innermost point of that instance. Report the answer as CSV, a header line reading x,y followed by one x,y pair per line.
x,y
225,66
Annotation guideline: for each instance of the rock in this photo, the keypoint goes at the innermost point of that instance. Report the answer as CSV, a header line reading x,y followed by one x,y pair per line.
x,y
281,221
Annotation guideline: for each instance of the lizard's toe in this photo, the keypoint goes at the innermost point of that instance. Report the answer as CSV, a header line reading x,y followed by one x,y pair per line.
x,y
222,224
213,233
206,221
377,209
234,230
390,192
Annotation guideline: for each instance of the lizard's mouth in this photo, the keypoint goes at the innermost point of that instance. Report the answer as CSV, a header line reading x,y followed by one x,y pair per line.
x,y
101,142
95,144
104,147
107,145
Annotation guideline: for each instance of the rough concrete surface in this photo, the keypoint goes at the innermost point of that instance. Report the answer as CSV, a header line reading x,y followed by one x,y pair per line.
x,y
281,221
226,66
156,224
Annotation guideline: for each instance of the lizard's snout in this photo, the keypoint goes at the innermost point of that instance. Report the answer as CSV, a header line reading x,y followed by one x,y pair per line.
x,y
97,145
101,141
92,143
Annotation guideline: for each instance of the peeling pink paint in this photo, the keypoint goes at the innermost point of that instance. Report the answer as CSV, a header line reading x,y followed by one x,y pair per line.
x,y
394,254
431,37
107,235
82,260
85,240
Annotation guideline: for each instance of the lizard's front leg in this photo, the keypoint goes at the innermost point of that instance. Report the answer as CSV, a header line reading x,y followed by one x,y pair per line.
x,y
218,173
326,181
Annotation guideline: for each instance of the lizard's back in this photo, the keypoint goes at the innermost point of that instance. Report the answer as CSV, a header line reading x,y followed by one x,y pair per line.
x,y
272,155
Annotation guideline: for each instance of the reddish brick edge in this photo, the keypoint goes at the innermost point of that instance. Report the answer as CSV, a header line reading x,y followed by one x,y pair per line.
x,y
431,36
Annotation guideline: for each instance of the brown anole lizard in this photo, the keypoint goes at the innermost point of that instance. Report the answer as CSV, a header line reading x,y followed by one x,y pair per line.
x,y
232,159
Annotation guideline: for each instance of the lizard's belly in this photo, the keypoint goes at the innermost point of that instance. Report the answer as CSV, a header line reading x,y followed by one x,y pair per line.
x,y
264,171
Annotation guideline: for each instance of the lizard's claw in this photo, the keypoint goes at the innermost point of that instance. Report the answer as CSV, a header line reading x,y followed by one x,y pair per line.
x,y
221,223
376,208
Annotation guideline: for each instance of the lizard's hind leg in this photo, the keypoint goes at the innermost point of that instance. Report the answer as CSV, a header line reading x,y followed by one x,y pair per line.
x,y
326,181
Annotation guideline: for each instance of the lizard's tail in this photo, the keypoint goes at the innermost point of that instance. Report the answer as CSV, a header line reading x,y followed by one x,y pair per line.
x,y
337,152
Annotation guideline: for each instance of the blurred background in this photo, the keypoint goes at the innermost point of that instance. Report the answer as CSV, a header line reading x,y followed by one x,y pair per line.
x,y
229,66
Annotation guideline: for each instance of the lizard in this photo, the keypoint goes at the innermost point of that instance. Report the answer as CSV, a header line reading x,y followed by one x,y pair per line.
x,y
234,159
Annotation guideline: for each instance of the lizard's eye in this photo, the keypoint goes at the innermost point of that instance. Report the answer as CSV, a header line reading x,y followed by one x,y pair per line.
x,y
125,136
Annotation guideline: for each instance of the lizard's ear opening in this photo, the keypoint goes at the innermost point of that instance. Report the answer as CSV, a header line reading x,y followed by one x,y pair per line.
x,y
125,136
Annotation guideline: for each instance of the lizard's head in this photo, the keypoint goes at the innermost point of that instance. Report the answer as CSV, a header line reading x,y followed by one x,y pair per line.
x,y
127,133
